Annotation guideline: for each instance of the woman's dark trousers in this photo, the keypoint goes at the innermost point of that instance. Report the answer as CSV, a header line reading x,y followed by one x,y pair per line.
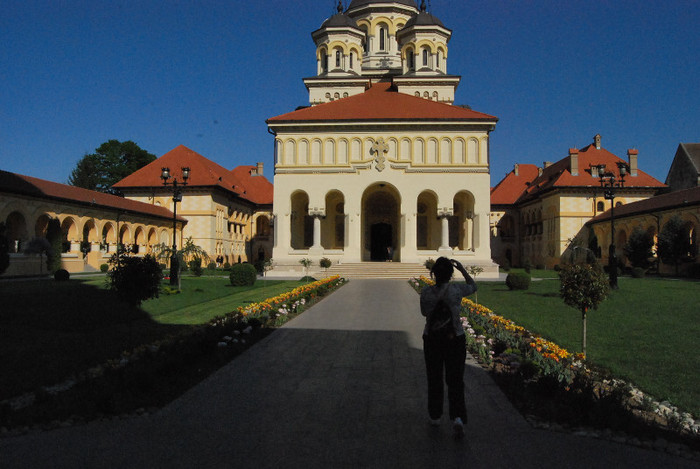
x,y
449,355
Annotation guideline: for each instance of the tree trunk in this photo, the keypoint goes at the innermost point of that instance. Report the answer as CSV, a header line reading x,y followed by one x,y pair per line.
x,y
583,314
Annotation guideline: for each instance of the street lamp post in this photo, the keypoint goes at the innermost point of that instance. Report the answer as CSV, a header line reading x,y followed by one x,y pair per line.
x,y
177,197
609,182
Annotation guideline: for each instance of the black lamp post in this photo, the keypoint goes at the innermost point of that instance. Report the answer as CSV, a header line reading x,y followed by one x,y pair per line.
x,y
609,182
177,197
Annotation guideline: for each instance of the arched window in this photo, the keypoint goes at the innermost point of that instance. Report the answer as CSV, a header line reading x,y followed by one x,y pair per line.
x,y
601,206
410,59
338,57
425,57
324,62
382,38
351,61
437,60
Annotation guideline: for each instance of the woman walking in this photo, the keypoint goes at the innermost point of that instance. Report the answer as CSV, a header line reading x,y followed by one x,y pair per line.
x,y
444,345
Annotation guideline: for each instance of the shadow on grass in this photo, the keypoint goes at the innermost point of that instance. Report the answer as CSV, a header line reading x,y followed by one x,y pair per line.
x,y
52,330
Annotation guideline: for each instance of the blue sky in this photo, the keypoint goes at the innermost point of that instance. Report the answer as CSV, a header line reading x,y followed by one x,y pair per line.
x,y
207,74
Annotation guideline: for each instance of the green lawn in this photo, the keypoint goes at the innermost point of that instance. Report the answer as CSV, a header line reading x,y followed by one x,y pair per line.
x,y
646,332
50,330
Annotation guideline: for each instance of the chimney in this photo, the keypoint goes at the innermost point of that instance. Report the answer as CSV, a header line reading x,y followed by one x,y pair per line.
x,y
596,140
573,161
516,170
632,157
259,169
539,172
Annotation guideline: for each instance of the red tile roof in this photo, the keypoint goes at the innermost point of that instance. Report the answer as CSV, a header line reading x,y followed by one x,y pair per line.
x,y
30,186
203,173
256,188
382,102
672,200
511,187
558,175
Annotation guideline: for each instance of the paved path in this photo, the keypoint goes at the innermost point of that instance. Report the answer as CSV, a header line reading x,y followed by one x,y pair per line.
x,y
341,386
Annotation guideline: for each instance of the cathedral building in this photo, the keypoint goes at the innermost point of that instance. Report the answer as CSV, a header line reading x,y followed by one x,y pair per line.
x,y
382,165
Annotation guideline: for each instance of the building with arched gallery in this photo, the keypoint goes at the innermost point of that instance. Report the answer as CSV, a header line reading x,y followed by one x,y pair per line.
x,y
92,223
382,165
228,211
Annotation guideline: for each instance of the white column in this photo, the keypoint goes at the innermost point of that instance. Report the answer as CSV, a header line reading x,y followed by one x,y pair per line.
x,y
445,244
317,232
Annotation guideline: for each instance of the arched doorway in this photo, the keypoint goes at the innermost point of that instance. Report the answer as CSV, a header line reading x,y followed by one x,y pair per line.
x,y
380,223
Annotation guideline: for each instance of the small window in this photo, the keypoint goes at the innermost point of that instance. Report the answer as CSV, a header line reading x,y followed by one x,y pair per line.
x,y
337,59
409,59
601,206
382,38
425,57
618,204
351,59
324,62
437,61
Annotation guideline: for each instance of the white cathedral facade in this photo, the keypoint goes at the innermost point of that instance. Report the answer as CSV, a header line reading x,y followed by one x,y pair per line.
x,y
381,165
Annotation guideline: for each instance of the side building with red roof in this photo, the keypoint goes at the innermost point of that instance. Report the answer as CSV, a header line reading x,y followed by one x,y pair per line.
x,y
228,211
382,166
537,213
93,224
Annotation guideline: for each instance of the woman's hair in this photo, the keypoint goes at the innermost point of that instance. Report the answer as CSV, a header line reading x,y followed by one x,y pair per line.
x,y
442,270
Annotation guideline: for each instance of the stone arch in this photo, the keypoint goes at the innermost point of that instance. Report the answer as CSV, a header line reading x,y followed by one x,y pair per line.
x,y
41,225
69,233
16,230
303,152
316,152
427,223
405,153
393,153
356,150
446,151
151,239
419,151
289,152
459,152
301,224
425,43
433,151
342,154
380,222
125,234
139,238
473,151
461,224
329,157
333,225
90,231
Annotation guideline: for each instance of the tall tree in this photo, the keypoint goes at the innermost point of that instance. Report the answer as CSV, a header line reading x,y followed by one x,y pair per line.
x,y
639,247
673,242
111,162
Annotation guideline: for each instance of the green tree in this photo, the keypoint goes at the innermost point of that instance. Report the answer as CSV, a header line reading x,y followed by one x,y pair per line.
x,y
55,239
638,247
111,162
673,244
135,279
583,286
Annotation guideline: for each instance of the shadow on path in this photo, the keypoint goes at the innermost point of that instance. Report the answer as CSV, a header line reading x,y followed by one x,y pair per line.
x,y
341,386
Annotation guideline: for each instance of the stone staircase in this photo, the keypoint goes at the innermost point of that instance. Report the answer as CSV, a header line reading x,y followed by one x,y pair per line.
x,y
396,270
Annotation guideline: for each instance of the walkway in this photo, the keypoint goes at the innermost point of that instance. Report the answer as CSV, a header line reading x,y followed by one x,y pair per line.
x,y
341,386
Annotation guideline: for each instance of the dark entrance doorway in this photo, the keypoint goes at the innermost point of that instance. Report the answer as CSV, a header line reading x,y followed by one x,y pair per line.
x,y
380,241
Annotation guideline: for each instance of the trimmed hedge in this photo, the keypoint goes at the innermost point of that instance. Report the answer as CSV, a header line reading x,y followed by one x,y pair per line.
x,y
243,274
61,275
518,281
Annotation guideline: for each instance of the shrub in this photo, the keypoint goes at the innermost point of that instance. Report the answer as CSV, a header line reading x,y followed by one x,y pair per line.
x,y
243,274
518,281
195,266
104,267
638,272
557,267
211,266
227,265
61,275
325,263
307,278
135,279
429,264
527,265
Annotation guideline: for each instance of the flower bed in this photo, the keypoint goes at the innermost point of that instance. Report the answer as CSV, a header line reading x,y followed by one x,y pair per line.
x,y
151,375
547,381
